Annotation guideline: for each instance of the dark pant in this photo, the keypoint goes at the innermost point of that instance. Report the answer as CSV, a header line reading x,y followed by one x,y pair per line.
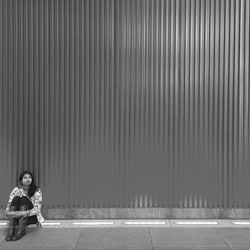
x,y
19,201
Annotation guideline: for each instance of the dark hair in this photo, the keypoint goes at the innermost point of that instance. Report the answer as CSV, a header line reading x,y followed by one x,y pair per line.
x,y
33,187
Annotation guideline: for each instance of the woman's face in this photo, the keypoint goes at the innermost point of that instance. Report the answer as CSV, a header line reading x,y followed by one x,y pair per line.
x,y
26,179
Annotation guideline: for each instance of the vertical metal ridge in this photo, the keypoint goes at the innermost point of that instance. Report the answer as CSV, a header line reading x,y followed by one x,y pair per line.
x,y
176,130
80,106
221,86
14,90
35,94
76,110
51,89
1,86
246,103
182,31
45,100
71,102
215,100
241,100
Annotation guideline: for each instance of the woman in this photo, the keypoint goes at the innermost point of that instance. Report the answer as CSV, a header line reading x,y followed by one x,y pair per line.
x,y
24,206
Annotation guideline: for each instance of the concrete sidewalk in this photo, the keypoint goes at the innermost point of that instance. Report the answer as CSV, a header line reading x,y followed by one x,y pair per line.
x,y
131,238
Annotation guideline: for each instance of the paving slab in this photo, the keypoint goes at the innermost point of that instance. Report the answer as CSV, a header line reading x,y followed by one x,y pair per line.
x,y
117,238
192,248
183,237
235,237
43,238
37,248
115,248
240,248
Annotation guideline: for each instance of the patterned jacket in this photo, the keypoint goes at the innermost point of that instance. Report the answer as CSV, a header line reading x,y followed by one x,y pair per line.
x,y
36,200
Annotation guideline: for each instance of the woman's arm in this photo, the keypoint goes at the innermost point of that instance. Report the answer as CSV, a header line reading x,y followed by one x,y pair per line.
x,y
11,196
38,203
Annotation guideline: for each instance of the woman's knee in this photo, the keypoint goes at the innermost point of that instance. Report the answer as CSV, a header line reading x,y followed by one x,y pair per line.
x,y
16,201
24,200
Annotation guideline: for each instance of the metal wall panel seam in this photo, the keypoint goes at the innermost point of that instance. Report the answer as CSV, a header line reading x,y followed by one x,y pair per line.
x,y
236,105
221,82
182,103
176,106
56,171
80,101
1,87
241,102
14,91
201,103
246,104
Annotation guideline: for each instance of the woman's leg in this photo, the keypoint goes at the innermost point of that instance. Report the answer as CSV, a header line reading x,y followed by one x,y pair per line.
x,y
28,206
24,201
16,202
21,229
14,206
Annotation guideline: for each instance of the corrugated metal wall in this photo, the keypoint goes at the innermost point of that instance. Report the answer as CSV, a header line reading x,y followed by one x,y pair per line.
x,y
126,103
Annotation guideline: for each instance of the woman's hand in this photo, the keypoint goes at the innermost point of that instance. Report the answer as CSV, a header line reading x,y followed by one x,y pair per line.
x,y
13,214
23,213
16,214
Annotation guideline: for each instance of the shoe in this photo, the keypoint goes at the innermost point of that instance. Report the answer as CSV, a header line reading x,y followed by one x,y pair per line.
x,y
11,229
21,229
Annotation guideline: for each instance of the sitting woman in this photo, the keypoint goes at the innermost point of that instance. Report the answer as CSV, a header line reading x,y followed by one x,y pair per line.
x,y
24,206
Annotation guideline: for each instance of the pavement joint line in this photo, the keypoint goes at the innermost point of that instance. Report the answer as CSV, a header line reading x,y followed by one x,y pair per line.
x,y
151,239
74,247
223,238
